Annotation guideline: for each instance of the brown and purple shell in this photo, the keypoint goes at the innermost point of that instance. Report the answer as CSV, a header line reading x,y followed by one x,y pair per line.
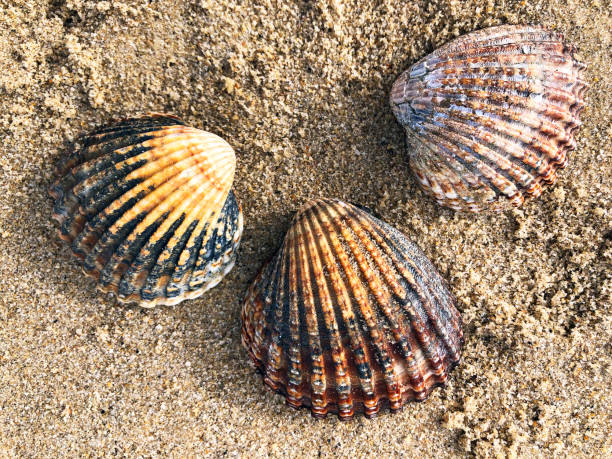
x,y
491,115
349,316
147,205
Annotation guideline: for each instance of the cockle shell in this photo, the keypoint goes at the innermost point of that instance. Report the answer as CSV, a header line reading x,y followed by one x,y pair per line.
x,y
491,115
147,205
349,316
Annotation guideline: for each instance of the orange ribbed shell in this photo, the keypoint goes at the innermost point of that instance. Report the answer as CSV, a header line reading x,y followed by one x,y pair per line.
x,y
147,205
349,316
491,115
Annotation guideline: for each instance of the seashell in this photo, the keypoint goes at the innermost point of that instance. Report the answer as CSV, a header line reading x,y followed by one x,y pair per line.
x,y
491,115
349,316
147,205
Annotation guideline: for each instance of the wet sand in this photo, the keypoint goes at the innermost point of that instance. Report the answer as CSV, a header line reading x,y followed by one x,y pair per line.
x,y
300,90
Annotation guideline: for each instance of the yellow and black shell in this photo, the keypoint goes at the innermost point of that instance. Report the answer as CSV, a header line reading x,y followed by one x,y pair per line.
x,y
491,115
349,316
147,205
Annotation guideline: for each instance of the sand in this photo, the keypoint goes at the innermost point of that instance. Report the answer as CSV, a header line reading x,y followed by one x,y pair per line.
x,y
300,90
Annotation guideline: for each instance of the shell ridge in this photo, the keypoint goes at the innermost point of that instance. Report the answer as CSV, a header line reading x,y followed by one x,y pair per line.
x,y
327,314
533,167
419,300
67,200
360,353
430,361
306,350
508,57
133,281
508,104
272,291
87,191
182,268
154,120
343,312
294,373
426,152
90,188
415,375
282,296
536,154
104,245
249,314
74,169
499,183
158,278
209,223
392,311
500,37
441,329
133,201
164,175
125,255
455,192
161,158
228,223
92,141
220,253
94,147
284,308
431,352
514,114
485,153
176,268
223,262
318,333
390,236
174,203
188,272
272,376
363,308
113,269
482,172
213,158
273,359
88,228
123,151
128,129
165,197
415,278
520,171
367,263
420,163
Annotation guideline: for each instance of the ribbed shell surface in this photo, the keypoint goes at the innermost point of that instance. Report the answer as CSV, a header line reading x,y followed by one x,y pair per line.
x,y
491,115
349,316
147,205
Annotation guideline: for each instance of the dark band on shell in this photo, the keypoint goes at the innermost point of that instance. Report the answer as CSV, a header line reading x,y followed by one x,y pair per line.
x,y
491,115
349,316
146,204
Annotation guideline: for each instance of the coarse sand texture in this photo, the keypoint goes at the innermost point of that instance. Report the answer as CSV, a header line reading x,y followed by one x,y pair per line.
x,y
300,90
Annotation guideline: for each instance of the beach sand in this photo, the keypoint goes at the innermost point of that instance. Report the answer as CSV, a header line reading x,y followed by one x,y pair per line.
x,y
300,89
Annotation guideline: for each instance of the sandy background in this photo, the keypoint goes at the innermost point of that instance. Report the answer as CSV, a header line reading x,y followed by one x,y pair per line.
x,y
300,90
